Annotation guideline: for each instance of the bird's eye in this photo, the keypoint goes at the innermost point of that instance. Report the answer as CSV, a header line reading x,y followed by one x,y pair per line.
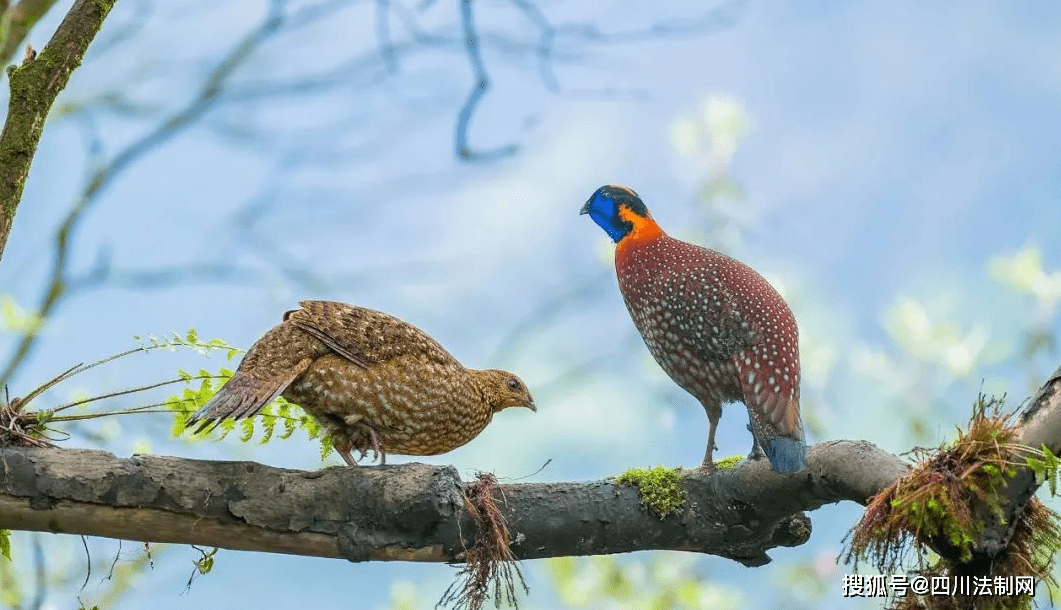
x,y
513,384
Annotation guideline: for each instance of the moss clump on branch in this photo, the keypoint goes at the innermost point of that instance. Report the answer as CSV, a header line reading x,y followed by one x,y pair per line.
x,y
489,563
729,462
937,503
660,488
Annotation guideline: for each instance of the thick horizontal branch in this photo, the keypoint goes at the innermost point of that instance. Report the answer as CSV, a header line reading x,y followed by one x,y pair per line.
x,y
416,512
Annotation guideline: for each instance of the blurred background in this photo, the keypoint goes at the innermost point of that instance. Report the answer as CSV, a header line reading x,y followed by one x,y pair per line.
x,y
891,169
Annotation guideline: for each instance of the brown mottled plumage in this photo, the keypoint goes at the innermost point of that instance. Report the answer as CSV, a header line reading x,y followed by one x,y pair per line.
x,y
371,380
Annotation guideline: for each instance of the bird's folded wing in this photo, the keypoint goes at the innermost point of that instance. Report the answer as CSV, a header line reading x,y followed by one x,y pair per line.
x,y
721,328
364,336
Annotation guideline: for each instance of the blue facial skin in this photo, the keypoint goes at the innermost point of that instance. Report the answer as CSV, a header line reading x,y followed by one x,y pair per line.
x,y
602,208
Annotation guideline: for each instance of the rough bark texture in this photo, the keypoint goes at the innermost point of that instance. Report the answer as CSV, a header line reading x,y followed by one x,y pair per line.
x,y
1040,425
34,86
415,512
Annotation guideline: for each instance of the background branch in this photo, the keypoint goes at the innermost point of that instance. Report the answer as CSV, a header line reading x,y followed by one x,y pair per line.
x,y
16,22
473,47
59,279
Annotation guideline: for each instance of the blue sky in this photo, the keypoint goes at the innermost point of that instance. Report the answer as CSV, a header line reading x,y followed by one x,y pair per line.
x,y
894,150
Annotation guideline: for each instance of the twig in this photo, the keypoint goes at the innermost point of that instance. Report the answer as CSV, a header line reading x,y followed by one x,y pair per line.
x,y
478,90
16,23
383,33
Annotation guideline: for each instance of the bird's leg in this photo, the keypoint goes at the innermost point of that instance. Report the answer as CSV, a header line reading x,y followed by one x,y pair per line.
x,y
354,422
349,459
757,450
342,447
714,412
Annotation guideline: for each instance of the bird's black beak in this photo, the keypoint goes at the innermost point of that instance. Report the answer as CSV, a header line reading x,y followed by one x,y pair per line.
x,y
585,209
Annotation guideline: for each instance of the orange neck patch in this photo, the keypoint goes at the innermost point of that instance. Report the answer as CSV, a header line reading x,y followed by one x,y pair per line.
x,y
645,229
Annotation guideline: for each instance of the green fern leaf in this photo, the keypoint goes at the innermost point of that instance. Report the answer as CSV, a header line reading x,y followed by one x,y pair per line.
x,y
226,426
180,422
269,425
326,447
290,425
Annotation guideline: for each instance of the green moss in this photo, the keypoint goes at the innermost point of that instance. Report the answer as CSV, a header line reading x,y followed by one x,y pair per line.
x,y
729,462
936,504
660,488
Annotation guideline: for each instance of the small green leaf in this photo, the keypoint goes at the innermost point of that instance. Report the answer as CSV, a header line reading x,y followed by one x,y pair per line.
x,y
206,563
326,447
180,421
269,425
226,426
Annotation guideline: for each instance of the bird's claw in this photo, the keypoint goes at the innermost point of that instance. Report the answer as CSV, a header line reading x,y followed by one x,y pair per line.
x,y
377,453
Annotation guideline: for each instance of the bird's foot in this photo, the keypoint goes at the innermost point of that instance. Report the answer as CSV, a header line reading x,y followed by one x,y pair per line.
x,y
707,467
374,446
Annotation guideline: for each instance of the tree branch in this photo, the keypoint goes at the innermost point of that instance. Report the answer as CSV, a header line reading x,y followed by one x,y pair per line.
x,y
34,86
474,51
415,512
102,176
1040,425
16,23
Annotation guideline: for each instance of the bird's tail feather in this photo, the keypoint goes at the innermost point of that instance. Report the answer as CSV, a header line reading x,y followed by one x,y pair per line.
x,y
243,396
786,454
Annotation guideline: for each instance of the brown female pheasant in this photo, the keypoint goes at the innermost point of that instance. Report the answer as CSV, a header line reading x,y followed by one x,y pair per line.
x,y
371,380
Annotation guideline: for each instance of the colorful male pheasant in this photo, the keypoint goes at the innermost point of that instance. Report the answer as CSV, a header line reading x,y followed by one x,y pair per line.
x,y
371,380
713,324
